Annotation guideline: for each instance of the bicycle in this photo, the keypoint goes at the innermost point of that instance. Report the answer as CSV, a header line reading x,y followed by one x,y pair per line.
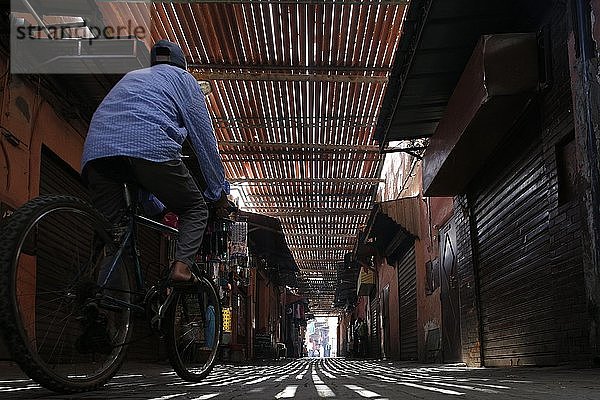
x,y
68,297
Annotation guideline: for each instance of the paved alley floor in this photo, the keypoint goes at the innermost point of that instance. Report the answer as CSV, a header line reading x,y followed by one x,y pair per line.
x,y
328,378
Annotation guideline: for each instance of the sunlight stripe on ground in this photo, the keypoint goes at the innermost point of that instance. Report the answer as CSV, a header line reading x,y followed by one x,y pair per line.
x,y
20,389
468,387
206,396
315,377
382,377
264,378
327,370
227,383
301,375
287,372
238,379
170,396
322,389
362,391
228,379
433,389
494,386
327,374
287,393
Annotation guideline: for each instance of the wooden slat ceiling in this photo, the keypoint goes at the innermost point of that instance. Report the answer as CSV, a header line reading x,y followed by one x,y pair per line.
x,y
297,88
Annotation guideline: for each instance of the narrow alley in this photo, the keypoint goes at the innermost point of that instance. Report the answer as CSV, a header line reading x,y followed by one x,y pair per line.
x,y
278,199
331,378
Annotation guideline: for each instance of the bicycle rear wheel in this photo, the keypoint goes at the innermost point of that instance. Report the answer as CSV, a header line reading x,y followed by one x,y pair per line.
x,y
193,330
63,328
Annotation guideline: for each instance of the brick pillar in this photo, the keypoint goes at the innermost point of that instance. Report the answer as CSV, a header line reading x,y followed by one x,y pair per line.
x,y
469,312
585,79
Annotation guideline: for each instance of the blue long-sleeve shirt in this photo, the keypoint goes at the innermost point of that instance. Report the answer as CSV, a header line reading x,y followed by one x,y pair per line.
x,y
148,115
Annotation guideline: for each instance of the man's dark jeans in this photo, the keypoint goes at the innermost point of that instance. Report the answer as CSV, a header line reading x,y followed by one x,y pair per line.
x,y
169,181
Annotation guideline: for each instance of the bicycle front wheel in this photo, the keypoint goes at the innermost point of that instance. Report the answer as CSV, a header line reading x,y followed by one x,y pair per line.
x,y
193,330
62,319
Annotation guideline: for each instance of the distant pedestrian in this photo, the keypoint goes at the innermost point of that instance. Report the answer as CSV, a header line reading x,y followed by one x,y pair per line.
x,y
355,337
363,338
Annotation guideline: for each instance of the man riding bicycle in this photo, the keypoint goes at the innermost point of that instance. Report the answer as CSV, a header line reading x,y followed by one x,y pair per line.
x,y
136,136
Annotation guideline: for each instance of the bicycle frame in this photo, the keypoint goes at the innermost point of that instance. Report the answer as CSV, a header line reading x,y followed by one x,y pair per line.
x,y
129,241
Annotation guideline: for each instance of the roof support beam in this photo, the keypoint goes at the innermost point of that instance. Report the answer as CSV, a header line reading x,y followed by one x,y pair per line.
x,y
314,270
300,203
298,118
297,155
278,197
235,157
270,67
301,146
293,225
305,181
319,2
319,248
288,77
300,208
317,213
289,125
337,235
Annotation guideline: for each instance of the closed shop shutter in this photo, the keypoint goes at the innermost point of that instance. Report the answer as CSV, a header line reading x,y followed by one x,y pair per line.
x,y
516,285
146,345
57,177
374,331
407,288
241,320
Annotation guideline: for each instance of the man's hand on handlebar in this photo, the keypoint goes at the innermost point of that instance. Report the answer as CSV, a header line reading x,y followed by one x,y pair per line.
x,y
223,202
222,208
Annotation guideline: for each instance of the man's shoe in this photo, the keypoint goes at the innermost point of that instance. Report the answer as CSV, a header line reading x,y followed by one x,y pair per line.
x,y
95,337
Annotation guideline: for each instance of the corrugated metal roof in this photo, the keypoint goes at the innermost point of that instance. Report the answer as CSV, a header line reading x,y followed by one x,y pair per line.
x,y
297,88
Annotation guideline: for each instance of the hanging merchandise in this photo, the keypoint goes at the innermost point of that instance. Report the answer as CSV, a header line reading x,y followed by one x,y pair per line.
x,y
221,239
216,241
243,276
226,319
239,241
213,269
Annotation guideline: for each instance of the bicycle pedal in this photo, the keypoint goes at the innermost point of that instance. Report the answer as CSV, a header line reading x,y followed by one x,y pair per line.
x,y
95,337
155,323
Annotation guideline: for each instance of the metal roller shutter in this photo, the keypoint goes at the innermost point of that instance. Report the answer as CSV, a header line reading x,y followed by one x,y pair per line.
x,y
145,344
407,288
516,285
57,177
375,345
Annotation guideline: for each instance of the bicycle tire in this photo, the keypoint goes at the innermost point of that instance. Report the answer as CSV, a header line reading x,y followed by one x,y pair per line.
x,y
26,242
191,345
